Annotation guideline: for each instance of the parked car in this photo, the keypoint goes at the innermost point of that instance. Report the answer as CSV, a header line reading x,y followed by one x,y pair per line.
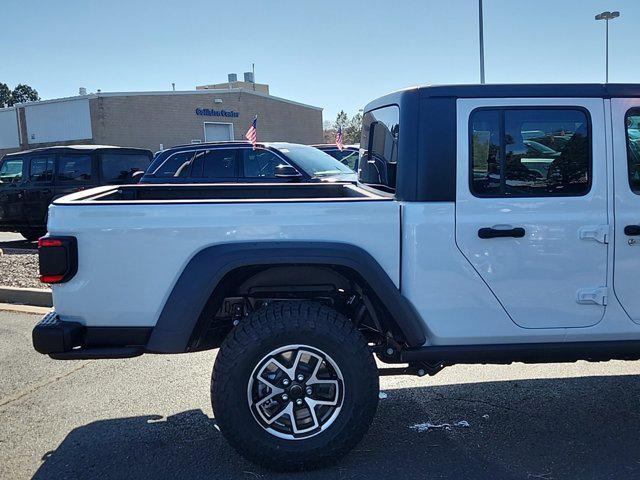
x,y
348,155
450,249
239,162
32,179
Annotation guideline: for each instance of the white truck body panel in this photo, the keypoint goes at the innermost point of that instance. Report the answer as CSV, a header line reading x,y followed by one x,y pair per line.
x,y
130,256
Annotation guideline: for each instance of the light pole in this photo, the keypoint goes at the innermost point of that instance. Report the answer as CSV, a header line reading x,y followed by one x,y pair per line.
x,y
481,33
606,16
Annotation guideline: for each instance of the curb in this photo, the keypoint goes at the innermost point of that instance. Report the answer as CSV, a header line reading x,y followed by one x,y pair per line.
x,y
36,297
12,307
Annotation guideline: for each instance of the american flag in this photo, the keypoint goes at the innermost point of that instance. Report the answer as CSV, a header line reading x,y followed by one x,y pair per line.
x,y
339,139
252,133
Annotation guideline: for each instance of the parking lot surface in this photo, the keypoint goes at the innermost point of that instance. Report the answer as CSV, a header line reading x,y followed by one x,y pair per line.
x,y
150,418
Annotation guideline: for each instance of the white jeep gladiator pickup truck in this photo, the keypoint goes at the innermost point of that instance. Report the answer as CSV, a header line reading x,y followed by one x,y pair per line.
x,y
490,224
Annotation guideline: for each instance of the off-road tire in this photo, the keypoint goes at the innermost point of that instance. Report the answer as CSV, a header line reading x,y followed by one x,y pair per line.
x,y
278,325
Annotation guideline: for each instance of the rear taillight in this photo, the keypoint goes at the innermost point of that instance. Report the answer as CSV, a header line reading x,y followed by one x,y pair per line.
x,y
58,258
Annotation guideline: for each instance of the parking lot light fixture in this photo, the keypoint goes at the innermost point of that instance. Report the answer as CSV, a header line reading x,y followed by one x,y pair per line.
x,y
606,16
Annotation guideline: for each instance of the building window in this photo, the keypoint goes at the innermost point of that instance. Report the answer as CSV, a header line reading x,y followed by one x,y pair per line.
x,y
74,168
522,152
632,122
41,169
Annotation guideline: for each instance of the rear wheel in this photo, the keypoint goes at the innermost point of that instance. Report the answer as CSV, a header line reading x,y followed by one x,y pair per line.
x,y
294,386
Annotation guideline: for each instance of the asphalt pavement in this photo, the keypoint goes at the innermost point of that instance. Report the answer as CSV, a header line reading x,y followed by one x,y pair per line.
x,y
150,418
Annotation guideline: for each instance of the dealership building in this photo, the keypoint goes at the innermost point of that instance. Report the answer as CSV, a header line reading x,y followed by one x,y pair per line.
x,y
156,120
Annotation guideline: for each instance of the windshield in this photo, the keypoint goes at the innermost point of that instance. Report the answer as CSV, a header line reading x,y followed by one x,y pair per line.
x,y
11,171
315,162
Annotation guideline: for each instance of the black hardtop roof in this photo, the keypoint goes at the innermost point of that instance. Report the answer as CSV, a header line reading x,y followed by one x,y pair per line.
x,y
76,148
520,90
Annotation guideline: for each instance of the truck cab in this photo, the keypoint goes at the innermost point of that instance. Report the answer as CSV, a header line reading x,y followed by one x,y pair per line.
x,y
547,237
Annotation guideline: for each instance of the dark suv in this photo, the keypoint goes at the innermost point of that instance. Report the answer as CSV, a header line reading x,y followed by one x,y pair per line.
x,y
239,162
31,180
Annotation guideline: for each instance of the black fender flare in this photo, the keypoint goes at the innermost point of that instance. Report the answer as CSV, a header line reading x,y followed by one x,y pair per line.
x,y
208,267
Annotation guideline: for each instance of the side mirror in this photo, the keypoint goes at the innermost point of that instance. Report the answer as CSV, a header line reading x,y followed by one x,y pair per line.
x,y
287,171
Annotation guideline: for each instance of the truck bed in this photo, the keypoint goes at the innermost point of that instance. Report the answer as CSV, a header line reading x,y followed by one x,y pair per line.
x,y
147,234
222,193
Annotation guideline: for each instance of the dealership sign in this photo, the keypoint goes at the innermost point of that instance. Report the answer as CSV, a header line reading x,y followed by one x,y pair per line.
x,y
208,112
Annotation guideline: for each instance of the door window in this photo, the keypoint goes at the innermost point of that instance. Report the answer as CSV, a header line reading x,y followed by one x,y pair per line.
x,y
215,164
380,130
346,157
11,170
74,168
119,167
632,122
530,152
261,163
176,166
41,169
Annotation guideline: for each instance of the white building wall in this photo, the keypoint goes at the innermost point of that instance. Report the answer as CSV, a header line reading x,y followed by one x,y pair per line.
x,y
9,136
58,121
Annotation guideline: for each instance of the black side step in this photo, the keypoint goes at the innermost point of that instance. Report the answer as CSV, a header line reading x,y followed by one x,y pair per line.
x,y
525,352
98,353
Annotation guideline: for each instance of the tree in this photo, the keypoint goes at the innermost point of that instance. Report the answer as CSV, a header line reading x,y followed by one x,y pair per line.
x,y
24,93
351,128
5,95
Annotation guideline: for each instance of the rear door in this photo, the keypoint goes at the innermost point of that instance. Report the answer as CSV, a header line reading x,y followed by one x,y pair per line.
x,y
38,189
625,117
531,207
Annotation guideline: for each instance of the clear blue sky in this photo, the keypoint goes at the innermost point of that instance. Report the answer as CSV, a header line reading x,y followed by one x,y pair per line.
x,y
336,54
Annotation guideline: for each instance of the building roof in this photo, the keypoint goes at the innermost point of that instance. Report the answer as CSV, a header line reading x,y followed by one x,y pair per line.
x,y
558,90
170,92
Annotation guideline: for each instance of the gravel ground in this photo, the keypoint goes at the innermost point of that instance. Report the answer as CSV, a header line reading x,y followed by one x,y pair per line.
x,y
19,268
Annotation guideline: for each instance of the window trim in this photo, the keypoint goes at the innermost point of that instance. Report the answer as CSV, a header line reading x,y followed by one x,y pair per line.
x,y
628,145
501,122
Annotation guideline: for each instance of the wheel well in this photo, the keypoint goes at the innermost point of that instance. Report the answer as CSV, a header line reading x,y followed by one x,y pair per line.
x,y
245,289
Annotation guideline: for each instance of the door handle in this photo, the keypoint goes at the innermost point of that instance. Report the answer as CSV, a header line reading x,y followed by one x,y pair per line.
x,y
487,232
632,230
